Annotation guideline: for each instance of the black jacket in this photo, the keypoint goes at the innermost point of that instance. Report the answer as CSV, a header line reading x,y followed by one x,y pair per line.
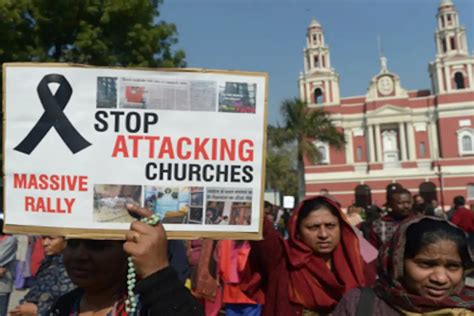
x,y
161,293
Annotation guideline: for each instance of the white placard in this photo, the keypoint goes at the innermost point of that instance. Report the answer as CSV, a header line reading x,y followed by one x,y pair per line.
x,y
288,201
82,142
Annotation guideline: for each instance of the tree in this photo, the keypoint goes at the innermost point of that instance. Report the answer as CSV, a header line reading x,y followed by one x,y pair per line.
x,y
98,32
303,126
280,173
15,38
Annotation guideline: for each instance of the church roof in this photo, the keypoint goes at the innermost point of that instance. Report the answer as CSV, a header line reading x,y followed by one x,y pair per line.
x,y
314,22
446,3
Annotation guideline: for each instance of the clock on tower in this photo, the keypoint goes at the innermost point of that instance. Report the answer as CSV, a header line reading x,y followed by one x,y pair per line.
x,y
385,85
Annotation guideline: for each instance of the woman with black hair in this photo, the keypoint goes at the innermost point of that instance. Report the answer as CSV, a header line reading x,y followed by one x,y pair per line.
x,y
50,283
101,271
421,272
311,271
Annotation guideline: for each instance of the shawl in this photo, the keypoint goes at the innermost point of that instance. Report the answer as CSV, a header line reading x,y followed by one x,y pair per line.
x,y
232,261
311,283
52,281
383,229
391,270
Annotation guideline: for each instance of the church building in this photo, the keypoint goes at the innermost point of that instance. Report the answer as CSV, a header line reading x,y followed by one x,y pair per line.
x,y
420,139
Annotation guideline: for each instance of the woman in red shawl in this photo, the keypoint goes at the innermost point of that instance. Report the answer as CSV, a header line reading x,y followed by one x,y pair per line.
x,y
311,271
421,272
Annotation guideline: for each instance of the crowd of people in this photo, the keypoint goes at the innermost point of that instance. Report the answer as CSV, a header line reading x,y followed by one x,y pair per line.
x,y
409,257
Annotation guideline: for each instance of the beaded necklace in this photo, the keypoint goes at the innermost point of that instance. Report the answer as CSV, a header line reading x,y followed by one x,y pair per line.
x,y
131,302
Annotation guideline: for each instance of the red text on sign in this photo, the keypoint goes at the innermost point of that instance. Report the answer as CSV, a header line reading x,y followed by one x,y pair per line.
x,y
53,182
183,148
49,204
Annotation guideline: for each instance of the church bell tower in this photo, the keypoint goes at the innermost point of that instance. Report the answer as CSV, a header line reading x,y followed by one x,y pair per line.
x,y
319,83
452,70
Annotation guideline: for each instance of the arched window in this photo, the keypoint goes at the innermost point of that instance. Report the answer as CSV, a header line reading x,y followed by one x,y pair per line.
x,y
323,149
422,150
318,96
316,62
428,191
466,141
359,153
459,80
470,192
453,43
322,152
363,196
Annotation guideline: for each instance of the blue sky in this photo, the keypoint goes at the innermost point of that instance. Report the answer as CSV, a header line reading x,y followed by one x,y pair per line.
x,y
269,36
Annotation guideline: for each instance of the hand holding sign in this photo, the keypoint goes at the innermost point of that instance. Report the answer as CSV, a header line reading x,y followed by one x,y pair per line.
x,y
25,309
147,245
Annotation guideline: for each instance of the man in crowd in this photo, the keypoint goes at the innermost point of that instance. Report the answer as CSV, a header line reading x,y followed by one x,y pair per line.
x,y
269,211
462,217
400,206
421,207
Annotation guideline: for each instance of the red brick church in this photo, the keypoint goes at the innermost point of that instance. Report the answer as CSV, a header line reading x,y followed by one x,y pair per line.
x,y
421,139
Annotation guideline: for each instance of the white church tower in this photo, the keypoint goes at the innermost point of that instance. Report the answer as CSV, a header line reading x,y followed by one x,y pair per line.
x,y
319,84
452,69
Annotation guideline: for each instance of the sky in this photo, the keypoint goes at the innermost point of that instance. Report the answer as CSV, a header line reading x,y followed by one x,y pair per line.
x,y
270,35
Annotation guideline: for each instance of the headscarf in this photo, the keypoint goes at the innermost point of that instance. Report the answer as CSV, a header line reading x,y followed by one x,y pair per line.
x,y
391,271
312,283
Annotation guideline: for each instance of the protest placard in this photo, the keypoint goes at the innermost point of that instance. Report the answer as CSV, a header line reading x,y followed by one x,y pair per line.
x,y
80,143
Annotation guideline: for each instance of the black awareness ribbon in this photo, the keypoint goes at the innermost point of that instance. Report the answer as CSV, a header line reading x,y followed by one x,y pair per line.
x,y
53,116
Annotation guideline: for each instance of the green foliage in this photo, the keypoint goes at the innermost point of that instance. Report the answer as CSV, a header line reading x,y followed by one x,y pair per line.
x,y
15,39
281,173
302,127
97,32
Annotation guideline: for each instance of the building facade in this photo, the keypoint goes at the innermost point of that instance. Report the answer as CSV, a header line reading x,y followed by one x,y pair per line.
x,y
420,139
